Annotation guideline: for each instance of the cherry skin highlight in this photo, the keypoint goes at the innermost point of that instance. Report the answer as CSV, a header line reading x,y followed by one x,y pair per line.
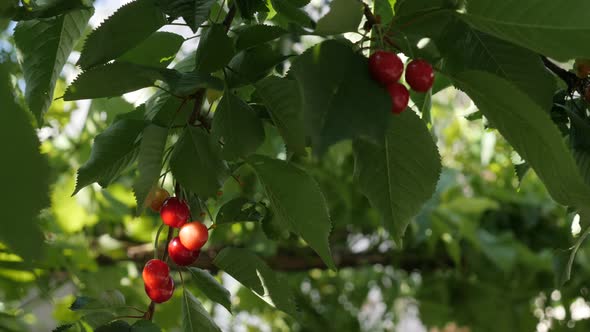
x,y
399,97
194,235
155,273
161,294
156,199
385,67
174,212
419,75
180,254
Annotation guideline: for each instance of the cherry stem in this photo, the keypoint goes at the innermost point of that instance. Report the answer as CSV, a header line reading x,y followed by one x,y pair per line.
x,y
156,241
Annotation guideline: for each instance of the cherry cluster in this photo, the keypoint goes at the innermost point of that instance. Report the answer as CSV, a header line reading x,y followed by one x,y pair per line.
x,y
183,249
387,69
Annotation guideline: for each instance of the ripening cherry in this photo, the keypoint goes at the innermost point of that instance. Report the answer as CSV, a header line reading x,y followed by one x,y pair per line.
x,y
193,235
162,293
399,97
155,273
582,67
174,212
180,254
156,198
419,75
385,67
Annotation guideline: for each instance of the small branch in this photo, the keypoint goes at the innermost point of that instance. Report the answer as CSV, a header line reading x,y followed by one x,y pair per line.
x,y
199,97
229,17
371,18
572,81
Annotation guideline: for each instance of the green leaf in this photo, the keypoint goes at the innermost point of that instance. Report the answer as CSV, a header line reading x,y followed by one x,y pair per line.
x,y
252,64
109,299
399,174
143,325
116,326
248,8
416,7
344,16
297,202
48,9
149,165
255,35
283,101
194,12
423,101
254,274
291,11
184,84
112,152
27,174
97,319
340,100
126,28
158,50
215,49
194,317
531,133
548,28
239,209
210,287
238,126
467,49
63,328
45,46
111,80
196,163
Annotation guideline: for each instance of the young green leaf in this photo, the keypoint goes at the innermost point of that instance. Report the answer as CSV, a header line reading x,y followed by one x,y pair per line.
x,y
258,34
194,317
126,28
211,287
27,174
158,50
238,126
344,16
196,163
215,49
514,113
283,101
296,200
45,46
548,28
113,150
113,79
149,165
254,274
399,174
340,100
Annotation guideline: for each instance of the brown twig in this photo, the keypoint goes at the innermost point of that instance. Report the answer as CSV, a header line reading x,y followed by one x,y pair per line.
x,y
371,18
573,82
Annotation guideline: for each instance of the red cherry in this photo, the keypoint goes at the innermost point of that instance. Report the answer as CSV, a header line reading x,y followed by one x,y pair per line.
x,y
174,212
155,273
156,199
194,235
162,293
419,75
180,254
399,97
385,67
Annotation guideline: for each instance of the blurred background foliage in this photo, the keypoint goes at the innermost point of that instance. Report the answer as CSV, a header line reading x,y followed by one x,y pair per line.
x,y
485,253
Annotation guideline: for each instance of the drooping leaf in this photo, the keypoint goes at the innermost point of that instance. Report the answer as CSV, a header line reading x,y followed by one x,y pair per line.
x,y
289,188
254,274
399,174
112,152
194,12
111,80
344,16
252,64
340,100
255,35
45,46
531,133
196,163
194,316
239,209
158,50
238,126
126,28
149,164
210,287
215,49
544,27
283,101
290,10
27,174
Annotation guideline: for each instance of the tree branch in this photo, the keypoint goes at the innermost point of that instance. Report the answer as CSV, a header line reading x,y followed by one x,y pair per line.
x,y
371,18
572,81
